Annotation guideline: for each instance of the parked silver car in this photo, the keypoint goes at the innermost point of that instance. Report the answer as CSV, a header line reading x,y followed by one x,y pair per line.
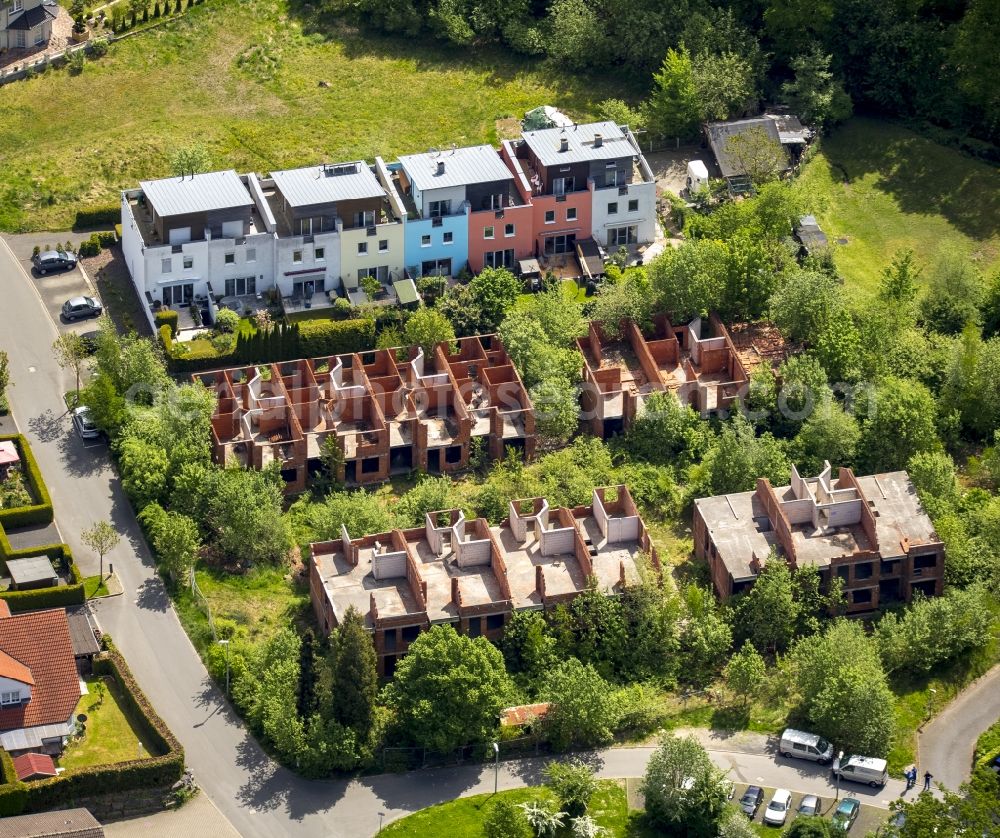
x,y
80,307
85,428
54,260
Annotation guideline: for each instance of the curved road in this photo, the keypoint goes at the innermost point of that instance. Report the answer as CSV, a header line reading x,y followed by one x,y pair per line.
x,y
257,796
947,743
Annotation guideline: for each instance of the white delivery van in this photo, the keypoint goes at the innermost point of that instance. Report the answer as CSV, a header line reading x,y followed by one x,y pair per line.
x,y
697,177
798,743
870,770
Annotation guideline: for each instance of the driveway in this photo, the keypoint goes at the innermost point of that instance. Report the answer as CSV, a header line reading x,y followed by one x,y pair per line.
x,y
55,288
947,743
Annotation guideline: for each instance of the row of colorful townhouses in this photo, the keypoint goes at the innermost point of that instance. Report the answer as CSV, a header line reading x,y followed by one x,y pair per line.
x,y
326,231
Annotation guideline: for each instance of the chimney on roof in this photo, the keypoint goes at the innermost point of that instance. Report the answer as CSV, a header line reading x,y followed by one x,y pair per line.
x,y
564,143
598,140
440,167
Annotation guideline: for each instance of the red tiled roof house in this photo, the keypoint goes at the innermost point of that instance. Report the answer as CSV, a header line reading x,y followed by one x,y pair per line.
x,y
39,685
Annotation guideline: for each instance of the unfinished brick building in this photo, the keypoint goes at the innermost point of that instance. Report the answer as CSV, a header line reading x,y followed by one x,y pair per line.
x,y
388,410
701,366
474,576
871,531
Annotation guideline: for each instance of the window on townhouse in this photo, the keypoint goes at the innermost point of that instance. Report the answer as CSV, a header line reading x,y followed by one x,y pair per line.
x,y
633,206
364,219
613,208
448,237
508,230
230,258
166,265
241,285
188,263
362,248
320,254
494,622
562,185
611,175
296,256
499,259
571,214
383,245
16,7
861,596
11,697
21,42
251,254
425,241
550,216
488,233
618,236
439,208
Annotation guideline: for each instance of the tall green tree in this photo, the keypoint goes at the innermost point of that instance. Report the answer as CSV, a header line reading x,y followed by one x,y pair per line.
x,y
71,353
102,538
805,304
726,84
814,93
683,789
449,689
307,698
583,711
897,423
746,672
673,109
426,328
768,613
354,685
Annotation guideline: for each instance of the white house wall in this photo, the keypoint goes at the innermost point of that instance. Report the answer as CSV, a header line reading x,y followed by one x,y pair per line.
x,y
644,218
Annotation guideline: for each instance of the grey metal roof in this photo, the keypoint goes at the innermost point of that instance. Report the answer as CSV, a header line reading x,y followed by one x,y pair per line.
x,y
25,738
33,569
580,140
64,822
719,134
462,166
81,631
328,183
198,193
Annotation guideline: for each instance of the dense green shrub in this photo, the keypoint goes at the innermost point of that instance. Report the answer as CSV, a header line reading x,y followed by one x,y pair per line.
x,y
335,337
166,317
98,217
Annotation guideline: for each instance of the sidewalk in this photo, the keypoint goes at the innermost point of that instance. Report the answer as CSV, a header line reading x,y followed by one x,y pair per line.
x,y
198,818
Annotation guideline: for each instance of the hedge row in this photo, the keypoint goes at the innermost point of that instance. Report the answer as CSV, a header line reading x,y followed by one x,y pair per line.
x,y
68,788
335,337
38,513
167,317
60,554
98,217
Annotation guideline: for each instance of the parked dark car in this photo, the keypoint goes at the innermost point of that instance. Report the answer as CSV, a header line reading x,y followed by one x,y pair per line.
x,y
846,814
53,260
80,307
751,800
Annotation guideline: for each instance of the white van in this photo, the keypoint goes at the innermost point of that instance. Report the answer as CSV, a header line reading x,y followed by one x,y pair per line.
x,y
870,770
798,743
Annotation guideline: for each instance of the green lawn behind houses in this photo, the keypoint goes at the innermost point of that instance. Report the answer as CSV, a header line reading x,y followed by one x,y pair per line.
x,y
880,187
242,78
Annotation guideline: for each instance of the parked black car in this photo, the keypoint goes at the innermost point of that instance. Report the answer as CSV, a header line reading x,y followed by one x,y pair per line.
x,y
53,260
751,800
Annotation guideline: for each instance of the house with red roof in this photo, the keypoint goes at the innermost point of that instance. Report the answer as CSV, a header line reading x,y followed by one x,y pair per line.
x,y
39,684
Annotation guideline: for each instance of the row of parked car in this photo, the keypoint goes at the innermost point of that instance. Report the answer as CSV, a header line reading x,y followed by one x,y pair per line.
x,y
802,745
75,308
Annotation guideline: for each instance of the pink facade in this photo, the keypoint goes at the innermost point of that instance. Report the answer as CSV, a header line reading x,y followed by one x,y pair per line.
x,y
490,233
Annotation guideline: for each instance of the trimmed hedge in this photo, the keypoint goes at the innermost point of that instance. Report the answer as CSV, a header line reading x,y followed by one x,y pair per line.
x,y
167,317
66,789
38,513
335,337
98,217
59,597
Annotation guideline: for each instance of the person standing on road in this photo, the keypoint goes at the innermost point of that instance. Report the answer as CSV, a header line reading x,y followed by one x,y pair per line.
x,y
927,780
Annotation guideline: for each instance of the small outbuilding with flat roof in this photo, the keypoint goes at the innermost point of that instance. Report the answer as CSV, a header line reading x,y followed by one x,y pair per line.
x,y
30,573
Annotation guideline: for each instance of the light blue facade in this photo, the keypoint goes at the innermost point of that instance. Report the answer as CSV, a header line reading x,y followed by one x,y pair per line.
x,y
418,250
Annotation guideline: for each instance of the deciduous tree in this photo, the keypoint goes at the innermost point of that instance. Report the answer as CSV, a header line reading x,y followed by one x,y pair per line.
x,y
102,538
673,109
746,672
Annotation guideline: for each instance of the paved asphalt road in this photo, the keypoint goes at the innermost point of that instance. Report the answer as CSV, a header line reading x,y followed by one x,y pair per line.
x,y
257,796
947,743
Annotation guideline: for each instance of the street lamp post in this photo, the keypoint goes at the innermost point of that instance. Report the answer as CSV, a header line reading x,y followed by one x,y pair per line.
x,y
225,643
496,767
836,772
381,815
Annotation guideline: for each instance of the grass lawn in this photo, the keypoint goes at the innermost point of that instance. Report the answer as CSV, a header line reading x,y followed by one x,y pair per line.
x,y
110,736
261,601
463,818
94,586
883,187
242,78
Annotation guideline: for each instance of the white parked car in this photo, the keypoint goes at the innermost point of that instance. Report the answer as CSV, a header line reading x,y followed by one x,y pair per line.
x,y
777,810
